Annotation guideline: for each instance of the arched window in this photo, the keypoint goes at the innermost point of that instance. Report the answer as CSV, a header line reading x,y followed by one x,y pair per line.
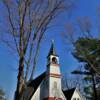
x,y
55,98
54,60
55,85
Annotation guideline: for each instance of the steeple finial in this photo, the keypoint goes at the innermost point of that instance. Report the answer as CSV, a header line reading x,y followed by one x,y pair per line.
x,y
52,41
52,49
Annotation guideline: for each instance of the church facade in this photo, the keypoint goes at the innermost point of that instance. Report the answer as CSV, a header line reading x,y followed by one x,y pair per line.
x,y
48,85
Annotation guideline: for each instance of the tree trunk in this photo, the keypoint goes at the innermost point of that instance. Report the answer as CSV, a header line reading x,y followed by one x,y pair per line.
x,y
20,80
94,87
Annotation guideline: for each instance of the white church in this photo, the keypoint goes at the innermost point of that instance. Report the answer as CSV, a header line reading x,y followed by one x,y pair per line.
x,y
48,85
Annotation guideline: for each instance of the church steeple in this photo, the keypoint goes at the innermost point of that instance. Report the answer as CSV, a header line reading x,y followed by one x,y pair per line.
x,y
52,57
52,49
53,76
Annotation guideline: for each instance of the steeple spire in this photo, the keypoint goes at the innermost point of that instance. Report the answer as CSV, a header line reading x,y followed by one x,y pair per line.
x,y
52,49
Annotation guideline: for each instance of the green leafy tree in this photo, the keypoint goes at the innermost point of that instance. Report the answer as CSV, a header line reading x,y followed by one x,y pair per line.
x,y
87,51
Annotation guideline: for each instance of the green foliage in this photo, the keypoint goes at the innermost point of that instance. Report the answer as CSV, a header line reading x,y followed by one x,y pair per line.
x,y
87,51
88,43
76,72
88,90
88,78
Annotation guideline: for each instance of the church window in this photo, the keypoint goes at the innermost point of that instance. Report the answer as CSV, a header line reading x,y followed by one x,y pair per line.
x,y
54,60
55,85
55,90
55,98
74,98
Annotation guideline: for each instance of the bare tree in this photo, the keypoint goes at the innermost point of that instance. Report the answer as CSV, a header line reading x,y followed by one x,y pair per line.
x,y
70,81
27,22
85,25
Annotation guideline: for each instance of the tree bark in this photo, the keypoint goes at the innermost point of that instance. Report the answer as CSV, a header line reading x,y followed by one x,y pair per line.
x,y
20,80
94,87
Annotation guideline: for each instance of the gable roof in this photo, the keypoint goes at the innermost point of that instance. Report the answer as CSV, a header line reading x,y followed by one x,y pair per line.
x,y
69,93
32,86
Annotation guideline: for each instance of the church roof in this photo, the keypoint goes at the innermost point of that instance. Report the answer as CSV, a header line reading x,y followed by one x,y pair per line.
x,y
69,93
52,49
32,86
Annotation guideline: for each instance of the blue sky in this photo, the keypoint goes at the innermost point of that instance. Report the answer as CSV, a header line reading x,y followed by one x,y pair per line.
x,y
8,63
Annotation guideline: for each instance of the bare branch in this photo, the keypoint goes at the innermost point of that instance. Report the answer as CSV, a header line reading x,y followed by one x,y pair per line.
x,y
12,25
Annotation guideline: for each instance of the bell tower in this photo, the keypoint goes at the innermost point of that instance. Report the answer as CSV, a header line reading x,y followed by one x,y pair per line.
x,y
53,76
52,57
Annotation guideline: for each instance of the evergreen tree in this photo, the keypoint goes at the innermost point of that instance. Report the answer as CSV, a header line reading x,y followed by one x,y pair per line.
x,y
87,51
